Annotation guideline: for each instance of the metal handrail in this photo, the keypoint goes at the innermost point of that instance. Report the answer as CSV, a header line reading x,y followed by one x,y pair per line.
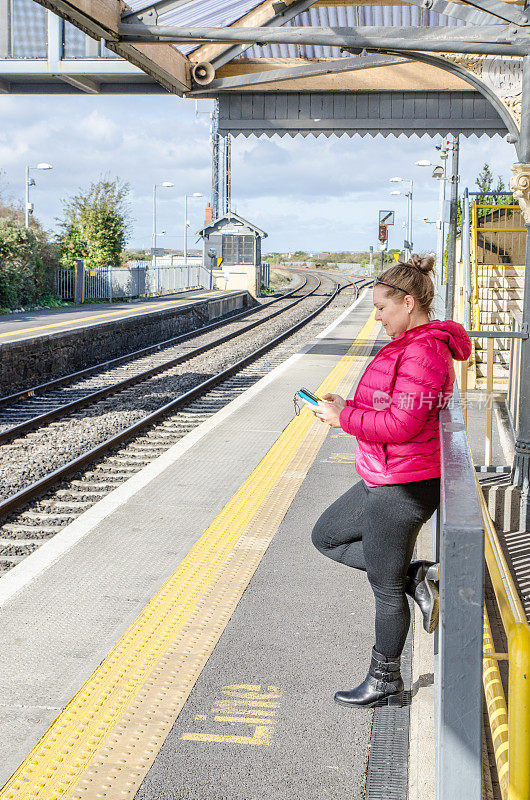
x,y
459,549
511,738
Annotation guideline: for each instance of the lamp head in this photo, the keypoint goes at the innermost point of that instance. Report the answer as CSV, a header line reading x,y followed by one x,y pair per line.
x,y
438,173
396,191
44,165
197,194
395,180
423,163
167,184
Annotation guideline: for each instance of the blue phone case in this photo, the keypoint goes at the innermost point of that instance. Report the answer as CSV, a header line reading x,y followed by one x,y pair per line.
x,y
305,396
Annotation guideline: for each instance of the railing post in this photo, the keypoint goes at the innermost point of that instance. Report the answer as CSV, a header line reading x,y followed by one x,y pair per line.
x,y
466,259
489,402
519,712
521,191
79,291
459,668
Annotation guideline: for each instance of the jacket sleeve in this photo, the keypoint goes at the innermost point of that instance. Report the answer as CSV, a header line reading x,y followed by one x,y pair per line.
x,y
417,390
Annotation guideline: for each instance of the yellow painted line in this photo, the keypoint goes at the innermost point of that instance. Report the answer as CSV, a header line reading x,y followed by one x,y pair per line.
x,y
131,313
104,741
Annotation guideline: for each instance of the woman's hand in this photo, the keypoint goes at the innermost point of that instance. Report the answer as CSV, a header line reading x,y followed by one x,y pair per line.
x,y
330,408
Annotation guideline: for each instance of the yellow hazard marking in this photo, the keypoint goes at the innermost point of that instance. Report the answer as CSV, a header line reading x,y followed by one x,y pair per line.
x,y
261,736
104,741
131,313
239,707
339,458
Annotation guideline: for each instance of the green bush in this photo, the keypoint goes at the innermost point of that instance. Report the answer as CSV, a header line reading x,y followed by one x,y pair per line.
x,y
27,263
95,226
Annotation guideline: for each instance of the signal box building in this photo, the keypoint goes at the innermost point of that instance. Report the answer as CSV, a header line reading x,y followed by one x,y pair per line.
x,y
232,249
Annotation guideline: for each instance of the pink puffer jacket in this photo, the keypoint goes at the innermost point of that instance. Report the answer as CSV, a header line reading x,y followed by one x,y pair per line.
x,y
394,413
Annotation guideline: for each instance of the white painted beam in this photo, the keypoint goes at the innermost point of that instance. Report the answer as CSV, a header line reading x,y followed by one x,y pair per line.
x,y
84,84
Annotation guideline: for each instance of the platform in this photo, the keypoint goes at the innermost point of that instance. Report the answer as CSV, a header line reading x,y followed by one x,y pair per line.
x,y
184,634
42,322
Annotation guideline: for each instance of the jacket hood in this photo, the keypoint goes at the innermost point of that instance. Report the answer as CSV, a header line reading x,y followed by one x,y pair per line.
x,y
453,334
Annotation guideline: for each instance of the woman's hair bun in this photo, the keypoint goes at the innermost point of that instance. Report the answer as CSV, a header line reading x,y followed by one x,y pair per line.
x,y
424,263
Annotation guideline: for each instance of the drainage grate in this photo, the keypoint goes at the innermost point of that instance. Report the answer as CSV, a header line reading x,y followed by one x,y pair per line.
x,y
387,773
488,468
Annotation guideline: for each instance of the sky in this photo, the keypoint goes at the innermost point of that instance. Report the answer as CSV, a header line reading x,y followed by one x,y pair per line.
x,y
313,193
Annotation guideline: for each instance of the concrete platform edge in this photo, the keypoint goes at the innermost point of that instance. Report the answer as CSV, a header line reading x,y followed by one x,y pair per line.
x,y
27,361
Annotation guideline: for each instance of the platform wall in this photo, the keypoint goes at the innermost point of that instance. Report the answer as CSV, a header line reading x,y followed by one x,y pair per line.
x,y
28,362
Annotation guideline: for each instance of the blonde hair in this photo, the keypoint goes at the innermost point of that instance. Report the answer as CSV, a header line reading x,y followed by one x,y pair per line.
x,y
413,278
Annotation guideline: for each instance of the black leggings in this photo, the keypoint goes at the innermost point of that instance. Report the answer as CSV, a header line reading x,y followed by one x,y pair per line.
x,y
375,529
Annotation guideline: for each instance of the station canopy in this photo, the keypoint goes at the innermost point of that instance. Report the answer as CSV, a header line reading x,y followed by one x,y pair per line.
x,y
299,66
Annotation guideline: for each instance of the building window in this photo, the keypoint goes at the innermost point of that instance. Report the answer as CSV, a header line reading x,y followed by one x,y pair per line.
x,y
74,42
238,249
28,30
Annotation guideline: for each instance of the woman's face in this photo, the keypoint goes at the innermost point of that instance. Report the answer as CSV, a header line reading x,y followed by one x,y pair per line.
x,y
393,313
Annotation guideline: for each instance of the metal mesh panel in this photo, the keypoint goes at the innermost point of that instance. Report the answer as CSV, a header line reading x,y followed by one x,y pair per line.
x,y
28,29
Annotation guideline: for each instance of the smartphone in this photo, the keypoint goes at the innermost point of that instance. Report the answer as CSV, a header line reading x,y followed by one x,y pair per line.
x,y
308,397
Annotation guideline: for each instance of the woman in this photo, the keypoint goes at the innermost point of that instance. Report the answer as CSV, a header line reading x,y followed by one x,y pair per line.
x,y
394,416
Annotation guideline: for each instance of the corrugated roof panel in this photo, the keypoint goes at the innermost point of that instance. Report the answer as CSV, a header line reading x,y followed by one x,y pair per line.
x,y
221,13
351,16
206,10
213,13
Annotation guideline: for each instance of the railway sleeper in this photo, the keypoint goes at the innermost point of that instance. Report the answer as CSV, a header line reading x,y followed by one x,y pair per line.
x,y
40,532
87,493
35,516
16,549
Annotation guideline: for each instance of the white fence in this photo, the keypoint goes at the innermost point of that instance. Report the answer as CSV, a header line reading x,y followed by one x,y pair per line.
x,y
137,279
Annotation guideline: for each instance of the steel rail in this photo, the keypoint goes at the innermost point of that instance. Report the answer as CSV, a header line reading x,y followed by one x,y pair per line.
x,y
11,504
99,394
153,348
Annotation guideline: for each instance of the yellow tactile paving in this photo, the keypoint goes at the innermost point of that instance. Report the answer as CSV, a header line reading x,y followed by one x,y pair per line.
x,y
104,741
127,311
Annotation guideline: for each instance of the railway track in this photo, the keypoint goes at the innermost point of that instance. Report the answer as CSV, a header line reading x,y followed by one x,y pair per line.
x,y
38,405
31,517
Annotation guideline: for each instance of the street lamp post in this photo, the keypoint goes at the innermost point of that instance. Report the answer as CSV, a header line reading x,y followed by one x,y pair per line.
x,y
440,173
31,182
186,267
164,185
408,244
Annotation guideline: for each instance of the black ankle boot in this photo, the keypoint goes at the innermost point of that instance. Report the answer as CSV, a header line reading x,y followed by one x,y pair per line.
x,y
422,585
382,686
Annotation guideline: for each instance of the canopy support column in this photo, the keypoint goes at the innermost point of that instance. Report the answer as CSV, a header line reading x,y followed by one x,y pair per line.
x,y
520,185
